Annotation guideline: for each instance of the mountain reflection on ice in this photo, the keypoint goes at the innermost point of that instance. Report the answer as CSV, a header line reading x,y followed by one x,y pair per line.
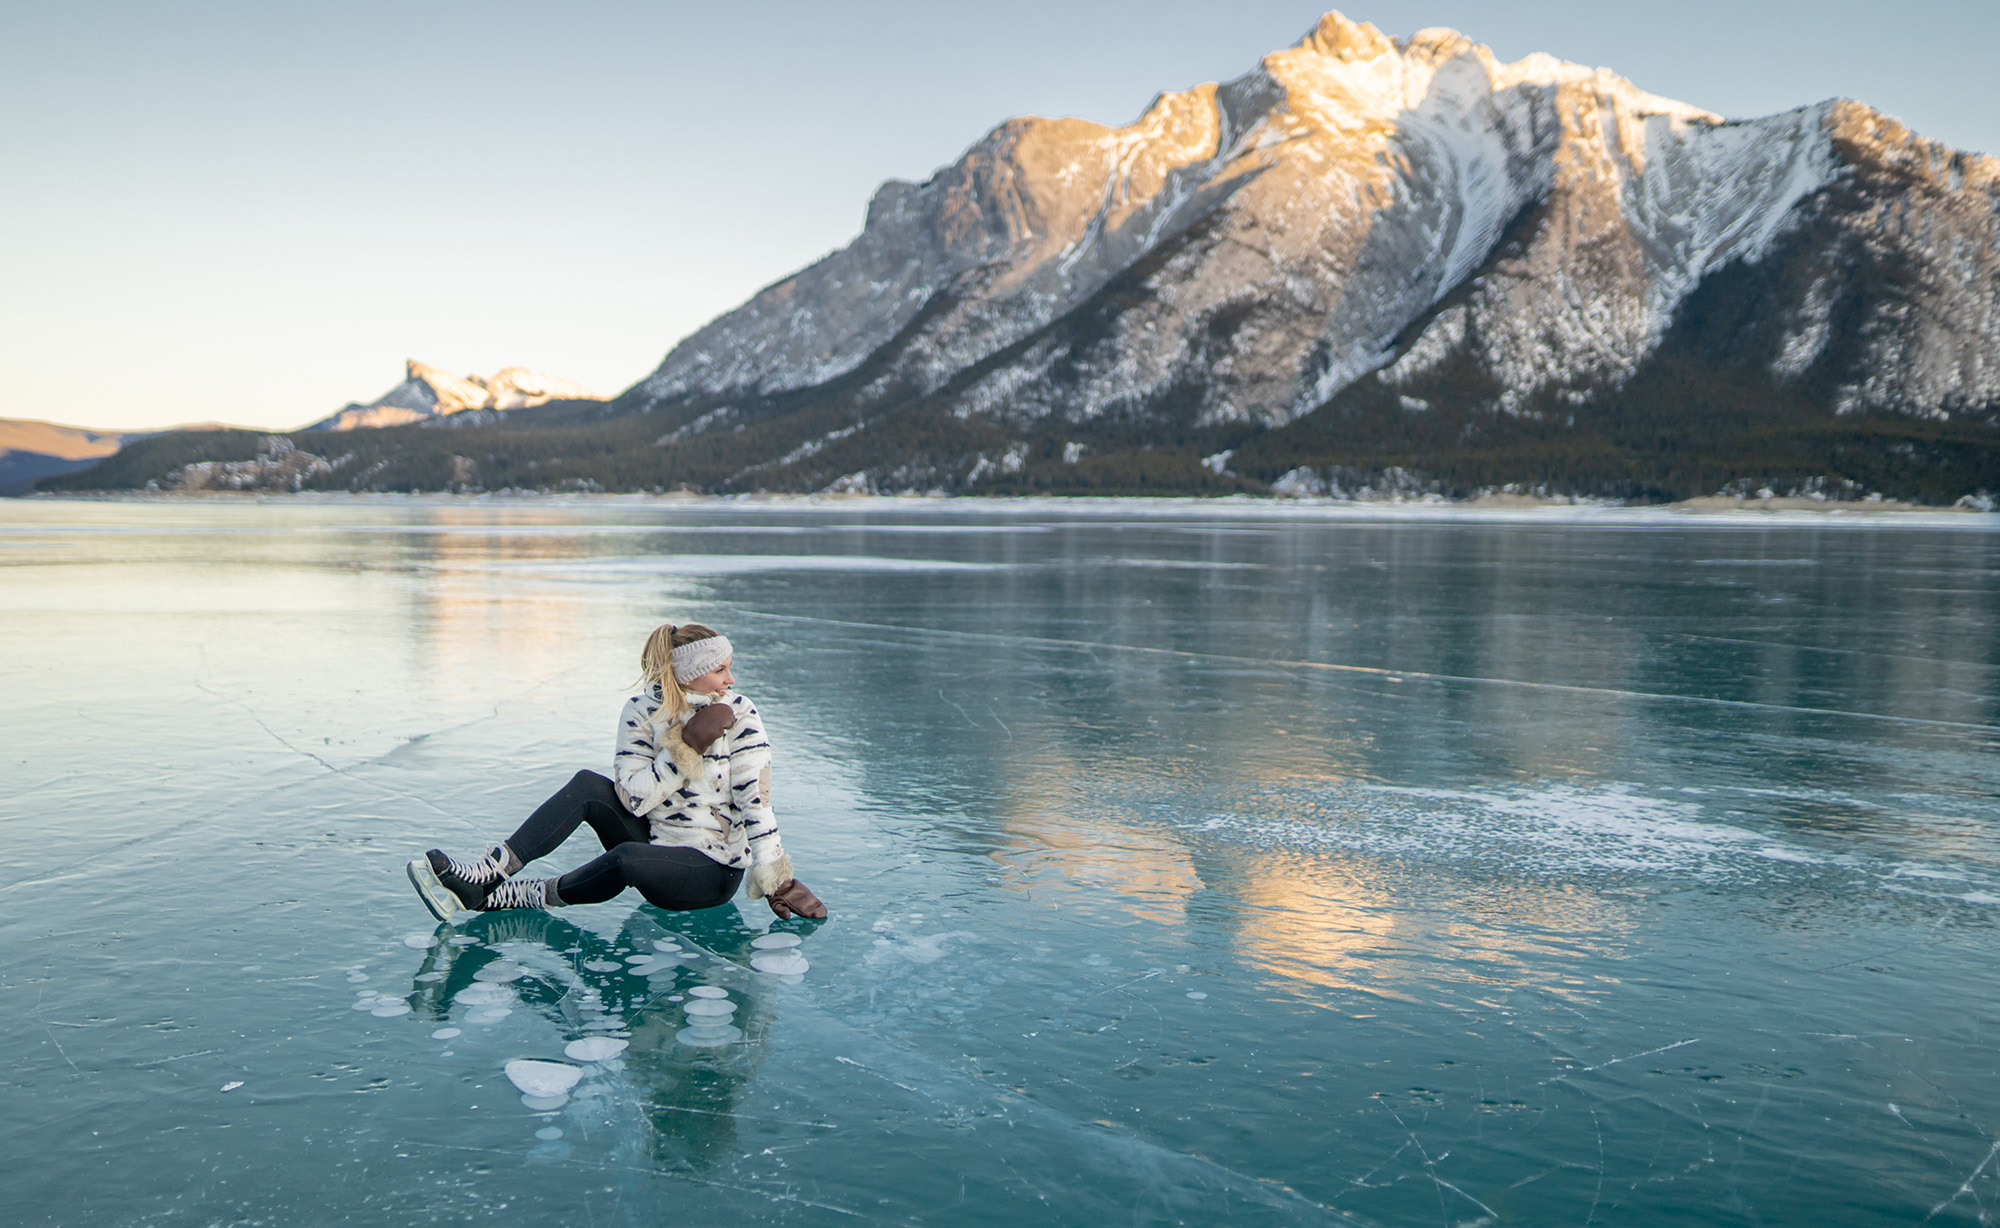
x,y
1197,865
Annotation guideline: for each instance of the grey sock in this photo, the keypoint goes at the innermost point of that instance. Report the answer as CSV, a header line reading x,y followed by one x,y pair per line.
x,y
549,896
504,857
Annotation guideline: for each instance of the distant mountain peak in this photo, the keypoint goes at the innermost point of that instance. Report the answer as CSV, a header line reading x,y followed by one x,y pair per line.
x,y
1339,37
429,392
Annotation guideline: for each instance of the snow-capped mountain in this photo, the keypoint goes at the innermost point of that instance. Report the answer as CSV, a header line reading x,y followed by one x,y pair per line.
x,y
429,392
1358,222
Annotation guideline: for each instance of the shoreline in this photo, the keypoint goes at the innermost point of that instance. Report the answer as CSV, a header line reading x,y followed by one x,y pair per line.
x,y
1710,510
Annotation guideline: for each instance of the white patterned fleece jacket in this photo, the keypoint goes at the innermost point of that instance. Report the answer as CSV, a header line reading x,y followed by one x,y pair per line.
x,y
718,802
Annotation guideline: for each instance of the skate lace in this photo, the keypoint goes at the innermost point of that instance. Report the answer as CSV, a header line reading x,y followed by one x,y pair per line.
x,y
479,871
518,893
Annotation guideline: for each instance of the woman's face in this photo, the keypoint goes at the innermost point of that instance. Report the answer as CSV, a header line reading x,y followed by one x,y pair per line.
x,y
715,681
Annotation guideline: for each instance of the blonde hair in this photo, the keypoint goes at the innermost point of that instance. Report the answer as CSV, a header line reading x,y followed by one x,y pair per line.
x,y
656,665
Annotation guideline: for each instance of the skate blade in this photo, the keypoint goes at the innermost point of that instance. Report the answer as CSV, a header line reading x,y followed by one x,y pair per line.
x,y
436,896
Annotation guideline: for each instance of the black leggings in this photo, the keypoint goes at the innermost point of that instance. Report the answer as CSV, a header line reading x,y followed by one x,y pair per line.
x,y
677,879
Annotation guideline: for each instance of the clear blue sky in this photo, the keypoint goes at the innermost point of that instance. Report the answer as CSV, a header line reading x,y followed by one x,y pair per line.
x,y
253,212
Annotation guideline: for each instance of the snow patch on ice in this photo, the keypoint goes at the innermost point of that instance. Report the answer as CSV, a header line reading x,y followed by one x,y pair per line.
x,y
1554,830
927,949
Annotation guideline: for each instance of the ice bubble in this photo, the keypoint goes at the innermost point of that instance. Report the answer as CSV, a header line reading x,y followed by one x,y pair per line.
x,y
639,959
593,1049
549,1134
251,968
709,991
367,993
779,965
545,1104
538,1078
1196,994
355,978
483,995
1183,968
389,1008
666,944
489,1014
709,1007
462,940
604,1025
500,970
675,998
428,978
774,942
232,1086
707,1038
419,942
446,1033
602,965
365,1004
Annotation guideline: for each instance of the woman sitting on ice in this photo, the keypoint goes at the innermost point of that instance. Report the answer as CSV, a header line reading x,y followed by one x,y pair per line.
x,y
688,818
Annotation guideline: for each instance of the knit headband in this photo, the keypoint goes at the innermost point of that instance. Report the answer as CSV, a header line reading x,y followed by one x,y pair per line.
x,y
693,660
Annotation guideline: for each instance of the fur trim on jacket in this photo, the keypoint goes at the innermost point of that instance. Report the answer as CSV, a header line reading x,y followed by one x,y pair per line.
x,y
767,876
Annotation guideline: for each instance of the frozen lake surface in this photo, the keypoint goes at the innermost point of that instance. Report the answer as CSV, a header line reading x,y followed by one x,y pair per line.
x,y
1187,865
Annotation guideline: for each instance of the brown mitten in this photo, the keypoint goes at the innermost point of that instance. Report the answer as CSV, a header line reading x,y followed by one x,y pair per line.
x,y
795,899
706,725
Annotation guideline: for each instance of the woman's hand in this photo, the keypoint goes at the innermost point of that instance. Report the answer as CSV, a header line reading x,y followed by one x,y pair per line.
x,y
795,899
706,726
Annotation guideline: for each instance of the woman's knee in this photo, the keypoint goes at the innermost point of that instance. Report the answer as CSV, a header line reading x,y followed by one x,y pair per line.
x,y
630,856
